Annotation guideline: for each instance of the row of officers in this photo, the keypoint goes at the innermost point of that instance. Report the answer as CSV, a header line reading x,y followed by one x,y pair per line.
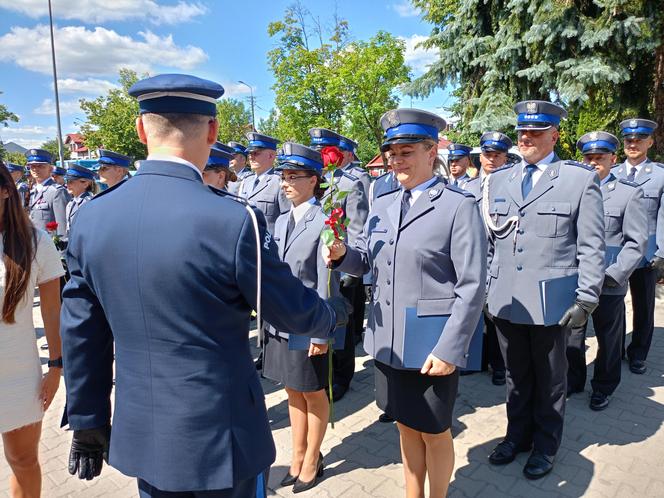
x,y
537,247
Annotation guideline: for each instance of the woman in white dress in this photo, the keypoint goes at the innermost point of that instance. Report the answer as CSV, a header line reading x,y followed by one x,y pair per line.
x,y
29,259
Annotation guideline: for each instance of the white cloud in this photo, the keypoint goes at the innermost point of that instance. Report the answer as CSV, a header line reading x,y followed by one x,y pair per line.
x,y
92,86
47,107
28,130
27,136
418,58
101,11
403,8
236,90
96,52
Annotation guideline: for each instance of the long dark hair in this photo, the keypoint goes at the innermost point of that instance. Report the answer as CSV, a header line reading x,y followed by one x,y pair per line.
x,y
20,242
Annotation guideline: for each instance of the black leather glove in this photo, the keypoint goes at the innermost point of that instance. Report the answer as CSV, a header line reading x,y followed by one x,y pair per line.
x,y
610,282
658,264
348,281
342,309
89,449
577,314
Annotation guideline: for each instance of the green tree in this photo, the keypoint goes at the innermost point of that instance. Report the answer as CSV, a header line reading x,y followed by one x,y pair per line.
x,y
598,58
234,120
111,119
270,125
5,117
52,147
16,158
333,83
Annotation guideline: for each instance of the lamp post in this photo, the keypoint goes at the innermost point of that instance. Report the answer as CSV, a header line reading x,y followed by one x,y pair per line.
x,y
253,115
55,86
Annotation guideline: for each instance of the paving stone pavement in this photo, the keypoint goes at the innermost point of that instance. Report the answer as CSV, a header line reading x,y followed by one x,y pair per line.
x,y
615,453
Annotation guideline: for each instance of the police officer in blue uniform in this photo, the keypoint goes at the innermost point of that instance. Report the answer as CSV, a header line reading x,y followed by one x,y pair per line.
x,y
626,236
350,179
217,172
637,168
112,167
387,182
545,274
59,175
18,173
189,413
262,187
458,159
48,200
81,186
238,165
426,248
494,146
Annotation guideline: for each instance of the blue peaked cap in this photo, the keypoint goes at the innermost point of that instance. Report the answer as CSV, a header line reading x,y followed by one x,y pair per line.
x,y
11,167
598,142
177,93
260,141
322,137
298,156
110,158
495,141
410,126
538,115
78,171
220,155
38,156
455,151
637,128
238,148
57,170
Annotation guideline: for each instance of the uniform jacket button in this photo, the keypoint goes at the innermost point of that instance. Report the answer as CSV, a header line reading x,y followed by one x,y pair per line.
x,y
519,267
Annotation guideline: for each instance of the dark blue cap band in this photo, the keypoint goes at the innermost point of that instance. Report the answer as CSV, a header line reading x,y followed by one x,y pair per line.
x,y
74,173
39,159
15,167
495,144
458,153
641,130
260,144
412,129
302,162
59,171
218,161
163,105
113,161
598,144
548,119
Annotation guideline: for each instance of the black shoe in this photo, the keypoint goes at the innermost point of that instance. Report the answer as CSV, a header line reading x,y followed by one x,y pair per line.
x,y
300,486
385,418
338,392
288,480
637,366
259,362
599,401
505,452
498,378
538,465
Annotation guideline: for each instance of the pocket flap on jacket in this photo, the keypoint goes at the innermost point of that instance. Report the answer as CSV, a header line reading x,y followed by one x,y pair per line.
x,y
651,194
434,307
559,208
612,211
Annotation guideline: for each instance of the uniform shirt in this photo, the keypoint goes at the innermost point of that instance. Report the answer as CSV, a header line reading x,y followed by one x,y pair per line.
x,y
298,212
541,166
638,167
417,191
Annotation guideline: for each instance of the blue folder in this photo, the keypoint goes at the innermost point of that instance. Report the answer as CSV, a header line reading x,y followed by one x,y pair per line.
x,y
301,342
422,334
556,296
650,251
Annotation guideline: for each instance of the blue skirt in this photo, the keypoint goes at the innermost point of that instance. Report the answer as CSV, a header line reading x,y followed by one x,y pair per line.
x,y
294,369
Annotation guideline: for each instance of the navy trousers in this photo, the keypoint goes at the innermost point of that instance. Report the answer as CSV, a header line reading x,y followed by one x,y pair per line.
x,y
255,487
642,286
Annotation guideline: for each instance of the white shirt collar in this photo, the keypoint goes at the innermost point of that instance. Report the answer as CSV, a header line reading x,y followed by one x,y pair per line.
x,y
174,159
266,171
416,191
299,211
638,167
541,164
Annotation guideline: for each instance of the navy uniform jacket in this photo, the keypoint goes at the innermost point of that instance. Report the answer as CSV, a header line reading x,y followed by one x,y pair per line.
x,y
560,232
651,181
434,262
49,205
267,196
355,204
625,227
189,408
361,174
74,205
302,251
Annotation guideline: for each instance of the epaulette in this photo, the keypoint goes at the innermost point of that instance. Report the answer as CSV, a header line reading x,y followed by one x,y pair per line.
x,y
476,179
383,175
627,182
109,189
360,170
226,193
502,168
458,190
388,192
349,176
587,167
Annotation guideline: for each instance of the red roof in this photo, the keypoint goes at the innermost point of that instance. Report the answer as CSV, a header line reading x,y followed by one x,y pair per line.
x,y
76,138
81,149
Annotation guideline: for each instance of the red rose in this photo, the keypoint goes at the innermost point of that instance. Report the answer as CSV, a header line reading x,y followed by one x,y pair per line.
x,y
332,156
52,226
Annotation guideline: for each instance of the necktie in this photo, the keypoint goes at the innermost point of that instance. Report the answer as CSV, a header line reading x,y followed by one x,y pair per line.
x,y
405,203
290,227
527,183
632,174
256,182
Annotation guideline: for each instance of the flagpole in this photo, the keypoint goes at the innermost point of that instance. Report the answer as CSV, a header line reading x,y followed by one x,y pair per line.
x,y
55,86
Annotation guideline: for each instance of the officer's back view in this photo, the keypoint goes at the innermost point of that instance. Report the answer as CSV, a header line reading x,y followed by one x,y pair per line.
x,y
189,409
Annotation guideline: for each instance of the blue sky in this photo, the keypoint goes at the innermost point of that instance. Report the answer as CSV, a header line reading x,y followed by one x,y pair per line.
x,y
222,40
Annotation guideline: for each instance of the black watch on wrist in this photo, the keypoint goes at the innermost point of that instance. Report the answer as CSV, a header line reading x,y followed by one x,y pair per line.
x,y
57,363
